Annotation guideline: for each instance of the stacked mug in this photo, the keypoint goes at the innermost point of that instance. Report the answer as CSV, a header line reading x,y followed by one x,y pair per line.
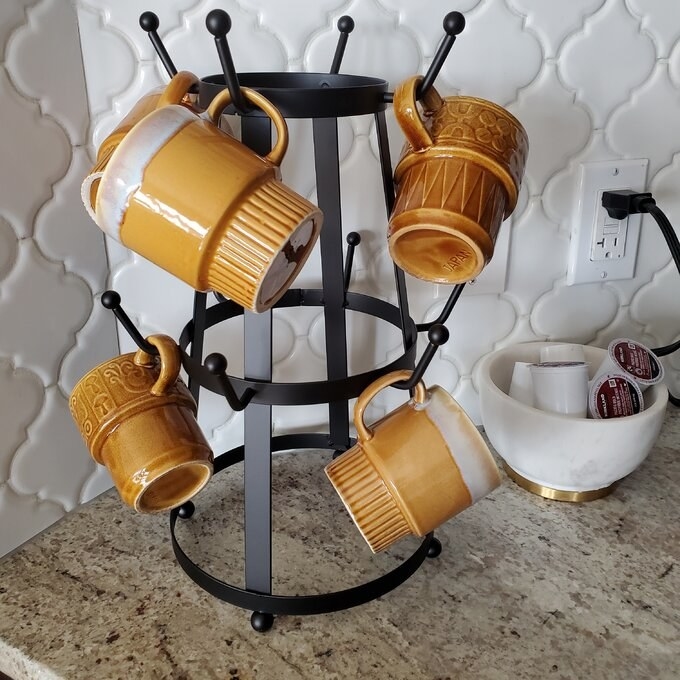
x,y
458,178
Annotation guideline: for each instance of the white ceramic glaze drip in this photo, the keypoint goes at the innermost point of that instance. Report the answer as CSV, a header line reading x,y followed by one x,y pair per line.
x,y
125,170
466,445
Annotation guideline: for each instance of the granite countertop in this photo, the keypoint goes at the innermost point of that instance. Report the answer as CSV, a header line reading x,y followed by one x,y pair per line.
x,y
524,588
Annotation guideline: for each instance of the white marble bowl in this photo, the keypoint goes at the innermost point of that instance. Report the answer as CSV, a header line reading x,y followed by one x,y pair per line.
x,y
555,452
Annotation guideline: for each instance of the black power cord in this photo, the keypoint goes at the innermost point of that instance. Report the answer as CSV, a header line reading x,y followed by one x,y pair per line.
x,y
619,204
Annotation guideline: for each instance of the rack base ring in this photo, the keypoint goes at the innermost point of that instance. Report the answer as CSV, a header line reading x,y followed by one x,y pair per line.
x,y
295,604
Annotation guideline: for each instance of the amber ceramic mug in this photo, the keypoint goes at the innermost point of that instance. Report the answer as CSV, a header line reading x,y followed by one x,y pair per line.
x,y
458,178
415,468
175,92
204,207
139,420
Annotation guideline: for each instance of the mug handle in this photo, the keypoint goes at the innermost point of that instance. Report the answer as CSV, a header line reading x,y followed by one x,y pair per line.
x,y
363,431
170,362
407,115
177,88
223,99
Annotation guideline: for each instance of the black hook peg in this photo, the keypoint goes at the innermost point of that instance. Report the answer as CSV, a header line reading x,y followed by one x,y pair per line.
x,y
353,240
216,364
454,23
446,312
110,299
345,26
149,23
218,23
438,334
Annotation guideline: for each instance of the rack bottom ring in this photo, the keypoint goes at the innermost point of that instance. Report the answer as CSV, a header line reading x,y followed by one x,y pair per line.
x,y
294,604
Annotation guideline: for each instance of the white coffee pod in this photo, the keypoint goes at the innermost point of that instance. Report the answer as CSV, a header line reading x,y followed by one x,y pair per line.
x,y
521,384
561,387
563,352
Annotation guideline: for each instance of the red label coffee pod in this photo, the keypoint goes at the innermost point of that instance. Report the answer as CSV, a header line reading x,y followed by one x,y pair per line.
x,y
634,360
614,395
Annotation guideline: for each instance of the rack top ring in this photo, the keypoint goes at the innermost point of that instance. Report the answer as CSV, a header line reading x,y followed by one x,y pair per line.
x,y
306,95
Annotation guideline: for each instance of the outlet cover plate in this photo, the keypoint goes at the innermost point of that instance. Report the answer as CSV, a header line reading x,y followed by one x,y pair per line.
x,y
589,259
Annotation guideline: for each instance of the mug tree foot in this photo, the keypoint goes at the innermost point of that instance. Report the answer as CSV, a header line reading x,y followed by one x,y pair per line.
x,y
186,510
261,621
435,548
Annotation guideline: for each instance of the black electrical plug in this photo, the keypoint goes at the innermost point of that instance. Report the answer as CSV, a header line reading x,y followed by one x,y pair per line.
x,y
623,202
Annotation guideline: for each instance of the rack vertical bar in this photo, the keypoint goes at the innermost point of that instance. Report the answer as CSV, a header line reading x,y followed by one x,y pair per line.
x,y
388,188
257,328
327,165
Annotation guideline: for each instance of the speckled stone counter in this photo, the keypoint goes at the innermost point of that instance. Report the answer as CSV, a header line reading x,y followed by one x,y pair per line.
x,y
524,588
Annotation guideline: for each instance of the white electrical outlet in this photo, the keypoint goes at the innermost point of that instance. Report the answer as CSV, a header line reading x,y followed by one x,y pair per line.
x,y
610,236
603,248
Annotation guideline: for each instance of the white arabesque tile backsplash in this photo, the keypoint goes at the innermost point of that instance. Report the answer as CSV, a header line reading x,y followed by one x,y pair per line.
x,y
589,79
52,267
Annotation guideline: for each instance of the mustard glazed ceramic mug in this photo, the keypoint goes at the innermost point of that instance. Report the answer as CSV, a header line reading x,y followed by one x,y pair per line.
x,y
175,92
457,179
139,420
198,203
415,468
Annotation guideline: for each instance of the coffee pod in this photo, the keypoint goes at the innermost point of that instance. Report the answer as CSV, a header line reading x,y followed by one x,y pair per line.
x,y
633,360
563,352
561,387
614,395
521,383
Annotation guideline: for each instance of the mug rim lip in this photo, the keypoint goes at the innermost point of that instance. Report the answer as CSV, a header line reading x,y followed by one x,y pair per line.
x,y
488,103
316,218
201,463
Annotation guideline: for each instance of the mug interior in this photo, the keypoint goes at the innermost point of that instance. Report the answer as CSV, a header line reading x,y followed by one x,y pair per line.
x,y
285,266
174,487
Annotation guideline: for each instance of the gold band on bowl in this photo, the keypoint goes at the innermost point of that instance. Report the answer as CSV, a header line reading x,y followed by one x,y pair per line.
x,y
557,494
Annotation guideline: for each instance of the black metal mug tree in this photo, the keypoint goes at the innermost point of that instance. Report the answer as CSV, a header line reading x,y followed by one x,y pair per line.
x,y
323,98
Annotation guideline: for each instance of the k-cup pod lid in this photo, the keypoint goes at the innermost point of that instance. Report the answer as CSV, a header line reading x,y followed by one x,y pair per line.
x,y
614,395
551,365
636,361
